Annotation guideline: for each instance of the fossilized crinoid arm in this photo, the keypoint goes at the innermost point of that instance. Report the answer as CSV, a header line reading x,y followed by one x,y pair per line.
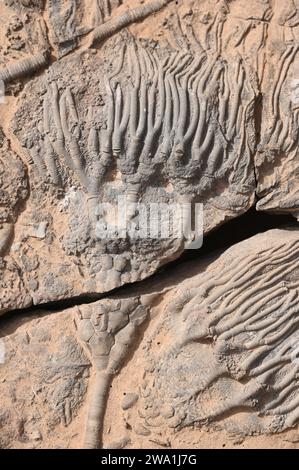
x,y
239,323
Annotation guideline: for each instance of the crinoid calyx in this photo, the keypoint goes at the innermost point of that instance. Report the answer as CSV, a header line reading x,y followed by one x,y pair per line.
x,y
152,125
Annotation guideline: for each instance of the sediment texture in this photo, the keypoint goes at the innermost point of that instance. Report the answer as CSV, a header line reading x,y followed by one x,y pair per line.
x,y
166,104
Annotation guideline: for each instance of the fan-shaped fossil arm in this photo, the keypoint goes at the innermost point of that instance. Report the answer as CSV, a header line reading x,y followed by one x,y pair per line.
x,y
271,407
239,80
224,100
195,113
110,118
120,127
50,157
56,134
67,103
284,66
51,163
135,67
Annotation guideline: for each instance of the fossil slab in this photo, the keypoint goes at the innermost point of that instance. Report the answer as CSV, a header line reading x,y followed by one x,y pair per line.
x,y
173,116
209,352
153,124
230,358
220,351
157,105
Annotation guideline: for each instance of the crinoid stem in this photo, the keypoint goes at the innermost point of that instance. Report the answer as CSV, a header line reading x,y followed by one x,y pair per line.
x,y
185,222
6,233
132,15
92,204
97,408
132,197
23,67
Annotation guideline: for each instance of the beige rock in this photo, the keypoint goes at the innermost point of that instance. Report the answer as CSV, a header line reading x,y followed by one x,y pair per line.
x,y
116,117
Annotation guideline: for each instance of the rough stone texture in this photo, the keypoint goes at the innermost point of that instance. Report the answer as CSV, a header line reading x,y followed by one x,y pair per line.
x,y
203,357
13,193
43,381
220,353
276,158
156,101
165,119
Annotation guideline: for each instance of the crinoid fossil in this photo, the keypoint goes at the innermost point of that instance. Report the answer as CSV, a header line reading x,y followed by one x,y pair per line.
x,y
234,331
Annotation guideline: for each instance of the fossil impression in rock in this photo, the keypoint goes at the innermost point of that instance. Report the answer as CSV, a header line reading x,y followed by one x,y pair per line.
x,y
44,380
107,330
13,193
156,126
145,125
160,102
232,343
276,159
26,49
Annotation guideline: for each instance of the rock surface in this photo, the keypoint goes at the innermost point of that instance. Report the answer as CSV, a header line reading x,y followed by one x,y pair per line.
x,y
118,117
44,375
208,351
198,104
